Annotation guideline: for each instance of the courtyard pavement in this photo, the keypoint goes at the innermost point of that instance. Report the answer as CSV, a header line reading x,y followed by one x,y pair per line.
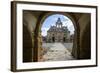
x,y
58,52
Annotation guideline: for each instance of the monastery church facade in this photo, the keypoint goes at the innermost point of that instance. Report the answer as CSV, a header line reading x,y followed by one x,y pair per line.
x,y
58,33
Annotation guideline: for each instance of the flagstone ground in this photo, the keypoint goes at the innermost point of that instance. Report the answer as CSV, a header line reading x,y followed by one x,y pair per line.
x,y
58,51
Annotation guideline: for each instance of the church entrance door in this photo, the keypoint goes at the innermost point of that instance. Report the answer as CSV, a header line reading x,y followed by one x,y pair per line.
x,y
53,39
63,39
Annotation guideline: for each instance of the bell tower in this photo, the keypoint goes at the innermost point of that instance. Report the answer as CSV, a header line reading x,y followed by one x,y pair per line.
x,y
59,23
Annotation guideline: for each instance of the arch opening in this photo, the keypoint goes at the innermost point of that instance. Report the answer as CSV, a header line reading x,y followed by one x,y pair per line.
x,y
57,31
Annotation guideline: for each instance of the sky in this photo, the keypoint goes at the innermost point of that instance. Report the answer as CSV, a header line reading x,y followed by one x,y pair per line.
x,y
51,21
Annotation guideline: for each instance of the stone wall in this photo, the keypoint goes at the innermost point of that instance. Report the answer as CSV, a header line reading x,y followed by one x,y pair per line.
x,y
84,52
29,24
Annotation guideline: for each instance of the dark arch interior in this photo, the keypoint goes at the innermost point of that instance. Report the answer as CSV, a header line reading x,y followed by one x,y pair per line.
x,y
27,45
86,43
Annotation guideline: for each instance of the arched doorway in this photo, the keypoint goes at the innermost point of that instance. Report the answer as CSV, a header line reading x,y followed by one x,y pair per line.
x,y
64,39
53,39
44,16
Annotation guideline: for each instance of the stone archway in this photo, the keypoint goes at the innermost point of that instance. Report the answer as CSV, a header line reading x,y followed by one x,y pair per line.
x,y
38,38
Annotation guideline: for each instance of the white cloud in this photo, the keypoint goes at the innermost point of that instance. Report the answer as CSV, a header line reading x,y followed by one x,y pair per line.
x,y
69,25
44,31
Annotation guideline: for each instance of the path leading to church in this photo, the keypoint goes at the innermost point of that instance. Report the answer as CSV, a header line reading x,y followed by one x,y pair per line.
x,y
57,52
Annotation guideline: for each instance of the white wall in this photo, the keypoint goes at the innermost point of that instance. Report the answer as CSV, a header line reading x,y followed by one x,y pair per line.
x,y
5,37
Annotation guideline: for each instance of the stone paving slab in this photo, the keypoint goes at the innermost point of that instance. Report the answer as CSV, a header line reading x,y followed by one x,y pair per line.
x,y
57,52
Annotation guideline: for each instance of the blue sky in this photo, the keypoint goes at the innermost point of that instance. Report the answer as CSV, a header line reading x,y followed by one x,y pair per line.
x,y
51,20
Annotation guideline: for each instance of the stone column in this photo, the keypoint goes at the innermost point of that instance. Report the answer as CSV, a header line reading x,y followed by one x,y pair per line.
x,y
40,49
